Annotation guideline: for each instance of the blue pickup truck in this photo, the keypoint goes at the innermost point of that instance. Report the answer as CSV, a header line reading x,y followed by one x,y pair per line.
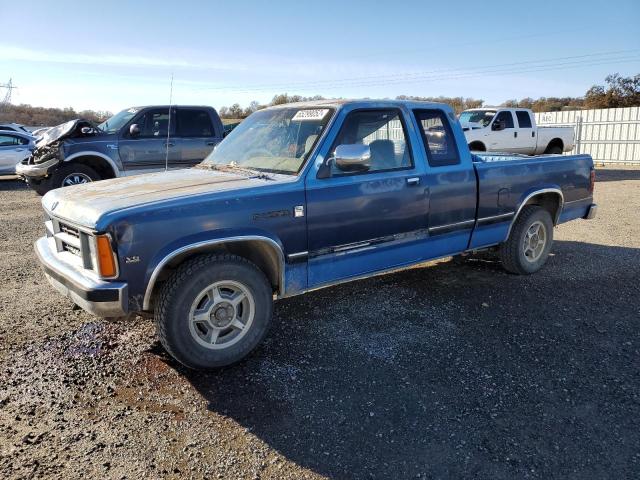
x,y
133,141
296,198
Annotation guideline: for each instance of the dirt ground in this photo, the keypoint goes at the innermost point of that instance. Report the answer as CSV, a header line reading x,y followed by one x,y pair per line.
x,y
443,371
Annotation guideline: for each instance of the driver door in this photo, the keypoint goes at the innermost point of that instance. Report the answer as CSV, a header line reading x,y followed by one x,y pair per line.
x,y
361,222
504,140
147,151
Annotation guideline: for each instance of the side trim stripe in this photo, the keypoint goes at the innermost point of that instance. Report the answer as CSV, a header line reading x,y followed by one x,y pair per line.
x,y
496,217
464,223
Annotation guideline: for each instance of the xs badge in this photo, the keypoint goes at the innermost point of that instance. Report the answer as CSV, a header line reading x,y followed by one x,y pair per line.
x,y
134,259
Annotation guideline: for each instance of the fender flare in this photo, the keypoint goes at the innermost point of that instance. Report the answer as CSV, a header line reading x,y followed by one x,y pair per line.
x,y
202,245
90,153
541,191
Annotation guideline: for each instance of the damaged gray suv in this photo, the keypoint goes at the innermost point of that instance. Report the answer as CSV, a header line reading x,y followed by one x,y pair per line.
x,y
136,140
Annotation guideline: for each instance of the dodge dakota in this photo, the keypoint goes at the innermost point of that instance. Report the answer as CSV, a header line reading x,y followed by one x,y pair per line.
x,y
136,140
512,130
299,197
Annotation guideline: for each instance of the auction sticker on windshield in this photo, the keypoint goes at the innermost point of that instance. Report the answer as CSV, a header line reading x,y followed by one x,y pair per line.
x,y
306,115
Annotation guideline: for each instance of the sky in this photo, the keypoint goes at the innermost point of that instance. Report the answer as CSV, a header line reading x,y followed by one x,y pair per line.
x,y
114,54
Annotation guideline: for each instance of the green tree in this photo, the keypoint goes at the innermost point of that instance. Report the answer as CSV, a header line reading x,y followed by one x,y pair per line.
x,y
619,92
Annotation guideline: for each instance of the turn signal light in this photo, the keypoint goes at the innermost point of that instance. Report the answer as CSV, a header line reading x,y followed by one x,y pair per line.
x,y
106,260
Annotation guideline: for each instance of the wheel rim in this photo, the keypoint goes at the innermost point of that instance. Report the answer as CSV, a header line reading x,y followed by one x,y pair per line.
x,y
221,314
535,240
75,179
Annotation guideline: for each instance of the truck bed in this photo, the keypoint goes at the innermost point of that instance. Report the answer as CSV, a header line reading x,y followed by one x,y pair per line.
x,y
505,181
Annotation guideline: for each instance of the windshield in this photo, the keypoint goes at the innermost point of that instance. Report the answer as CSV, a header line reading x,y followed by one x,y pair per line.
x,y
277,140
483,117
118,121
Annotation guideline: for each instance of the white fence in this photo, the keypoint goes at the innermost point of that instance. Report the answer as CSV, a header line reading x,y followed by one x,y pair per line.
x,y
609,135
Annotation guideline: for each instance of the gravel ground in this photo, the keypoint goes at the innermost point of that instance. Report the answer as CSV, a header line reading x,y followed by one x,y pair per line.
x,y
442,371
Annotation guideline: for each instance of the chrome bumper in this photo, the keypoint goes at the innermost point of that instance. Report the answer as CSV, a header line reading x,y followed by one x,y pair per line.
x,y
591,212
98,297
36,170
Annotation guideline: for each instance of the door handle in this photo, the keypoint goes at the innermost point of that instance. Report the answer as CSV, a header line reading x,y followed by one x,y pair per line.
x,y
169,144
515,134
211,144
533,134
413,181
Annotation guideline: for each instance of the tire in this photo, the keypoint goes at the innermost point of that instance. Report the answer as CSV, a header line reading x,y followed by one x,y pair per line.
x,y
67,173
206,284
517,254
477,147
554,150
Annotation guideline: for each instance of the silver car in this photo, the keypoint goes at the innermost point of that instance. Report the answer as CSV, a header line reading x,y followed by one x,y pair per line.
x,y
14,147
14,127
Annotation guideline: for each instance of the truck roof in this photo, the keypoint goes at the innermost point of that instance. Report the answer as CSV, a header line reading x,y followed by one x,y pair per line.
x,y
489,107
140,107
364,103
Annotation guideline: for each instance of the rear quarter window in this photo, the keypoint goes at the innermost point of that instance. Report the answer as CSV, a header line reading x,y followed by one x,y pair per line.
x,y
194,123
524,119
437,137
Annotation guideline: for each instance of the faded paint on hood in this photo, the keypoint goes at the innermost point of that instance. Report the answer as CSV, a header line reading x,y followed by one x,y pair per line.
x,y
85,204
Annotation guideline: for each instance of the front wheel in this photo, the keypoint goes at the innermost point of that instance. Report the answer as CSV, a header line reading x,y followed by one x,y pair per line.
x,y
213,311
529,243
73,174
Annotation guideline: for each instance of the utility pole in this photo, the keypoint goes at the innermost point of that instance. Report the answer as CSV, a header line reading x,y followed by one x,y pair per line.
x,y
7,96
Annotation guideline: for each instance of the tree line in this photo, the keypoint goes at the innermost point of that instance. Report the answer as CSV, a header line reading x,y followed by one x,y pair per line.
x,y
41,116
618,91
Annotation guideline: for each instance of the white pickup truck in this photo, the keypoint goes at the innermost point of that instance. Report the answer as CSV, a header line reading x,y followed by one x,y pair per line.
x,y
512,130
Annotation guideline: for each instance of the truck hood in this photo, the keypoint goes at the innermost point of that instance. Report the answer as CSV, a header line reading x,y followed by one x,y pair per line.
x,y
68,129
85,204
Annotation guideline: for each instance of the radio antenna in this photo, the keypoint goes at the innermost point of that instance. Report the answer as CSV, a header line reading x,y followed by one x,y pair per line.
x,y
166,157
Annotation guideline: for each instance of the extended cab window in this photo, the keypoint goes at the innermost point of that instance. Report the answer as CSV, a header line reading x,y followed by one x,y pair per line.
x,y
437,137
383,131
194,123
524,120
506,117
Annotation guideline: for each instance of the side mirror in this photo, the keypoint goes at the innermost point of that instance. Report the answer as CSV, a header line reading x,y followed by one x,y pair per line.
x,y
134,130
498,125
353,157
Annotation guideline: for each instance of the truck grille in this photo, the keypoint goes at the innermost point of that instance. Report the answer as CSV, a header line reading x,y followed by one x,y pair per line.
x,y
71,240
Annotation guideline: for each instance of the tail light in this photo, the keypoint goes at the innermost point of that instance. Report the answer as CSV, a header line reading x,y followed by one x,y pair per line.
x,y
592,180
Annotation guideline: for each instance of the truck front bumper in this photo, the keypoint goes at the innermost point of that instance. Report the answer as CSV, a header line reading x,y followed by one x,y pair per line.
x,y
591,212
98,297
36,170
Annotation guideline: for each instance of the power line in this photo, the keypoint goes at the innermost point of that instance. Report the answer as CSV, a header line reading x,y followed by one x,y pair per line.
x,y
538,68
384,79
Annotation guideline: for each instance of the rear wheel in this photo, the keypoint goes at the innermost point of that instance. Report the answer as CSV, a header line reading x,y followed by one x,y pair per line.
x,y
213,311
529,243
554,150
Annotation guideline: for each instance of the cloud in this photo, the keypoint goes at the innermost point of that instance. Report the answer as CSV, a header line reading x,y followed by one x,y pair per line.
x,y
13,53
